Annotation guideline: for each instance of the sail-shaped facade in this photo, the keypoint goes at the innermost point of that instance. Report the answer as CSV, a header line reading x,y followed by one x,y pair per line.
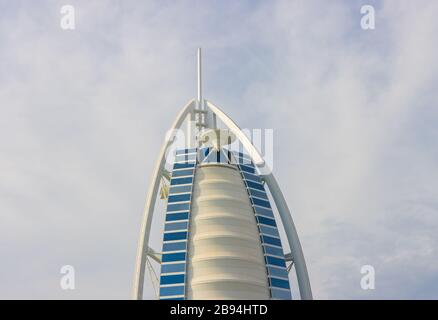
x,y
220,237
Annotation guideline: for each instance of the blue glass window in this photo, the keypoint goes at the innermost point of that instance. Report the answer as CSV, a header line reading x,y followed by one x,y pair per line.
x,y
267,221
247,168
171,291
260,202
269,231
181,181
174,246
274,251
175,236
176,226
275,261
180,189
255,185
172,279
169,268
178,207
280,294
277,272
252,177
270,240
279,283
259,194
183,165
169,257
177,216
264,211
179,197
181,173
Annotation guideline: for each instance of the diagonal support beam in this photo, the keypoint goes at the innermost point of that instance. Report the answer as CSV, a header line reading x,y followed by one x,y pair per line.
x,y
156,256
166,174
288,257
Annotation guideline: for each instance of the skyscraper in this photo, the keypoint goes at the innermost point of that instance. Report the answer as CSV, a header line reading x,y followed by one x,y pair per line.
x,y
220,237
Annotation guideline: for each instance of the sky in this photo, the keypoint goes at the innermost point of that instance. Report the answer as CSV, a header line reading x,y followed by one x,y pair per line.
x,y
354,113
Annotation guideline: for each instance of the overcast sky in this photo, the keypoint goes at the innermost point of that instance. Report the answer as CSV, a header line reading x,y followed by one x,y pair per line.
x,y
354,112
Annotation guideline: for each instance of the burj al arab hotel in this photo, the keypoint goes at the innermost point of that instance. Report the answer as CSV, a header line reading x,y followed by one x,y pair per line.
x,y
220,236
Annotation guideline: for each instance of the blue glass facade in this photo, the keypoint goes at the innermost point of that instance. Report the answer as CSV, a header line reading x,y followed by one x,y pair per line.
x,y
273,251
176,227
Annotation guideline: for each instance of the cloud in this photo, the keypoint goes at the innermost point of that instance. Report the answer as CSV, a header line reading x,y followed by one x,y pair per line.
x,y
83,113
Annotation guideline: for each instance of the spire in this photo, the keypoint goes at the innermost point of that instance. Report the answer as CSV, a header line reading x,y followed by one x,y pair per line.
x,y
200,104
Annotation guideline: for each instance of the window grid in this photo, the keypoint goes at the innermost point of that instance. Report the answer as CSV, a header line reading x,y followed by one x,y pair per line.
x,y
278,279
176,228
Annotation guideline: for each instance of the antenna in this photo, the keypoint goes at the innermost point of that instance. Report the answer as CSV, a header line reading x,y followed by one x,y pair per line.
x,y
200,104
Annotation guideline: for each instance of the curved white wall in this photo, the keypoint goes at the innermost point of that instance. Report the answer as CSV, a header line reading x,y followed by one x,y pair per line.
x,y
225,257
